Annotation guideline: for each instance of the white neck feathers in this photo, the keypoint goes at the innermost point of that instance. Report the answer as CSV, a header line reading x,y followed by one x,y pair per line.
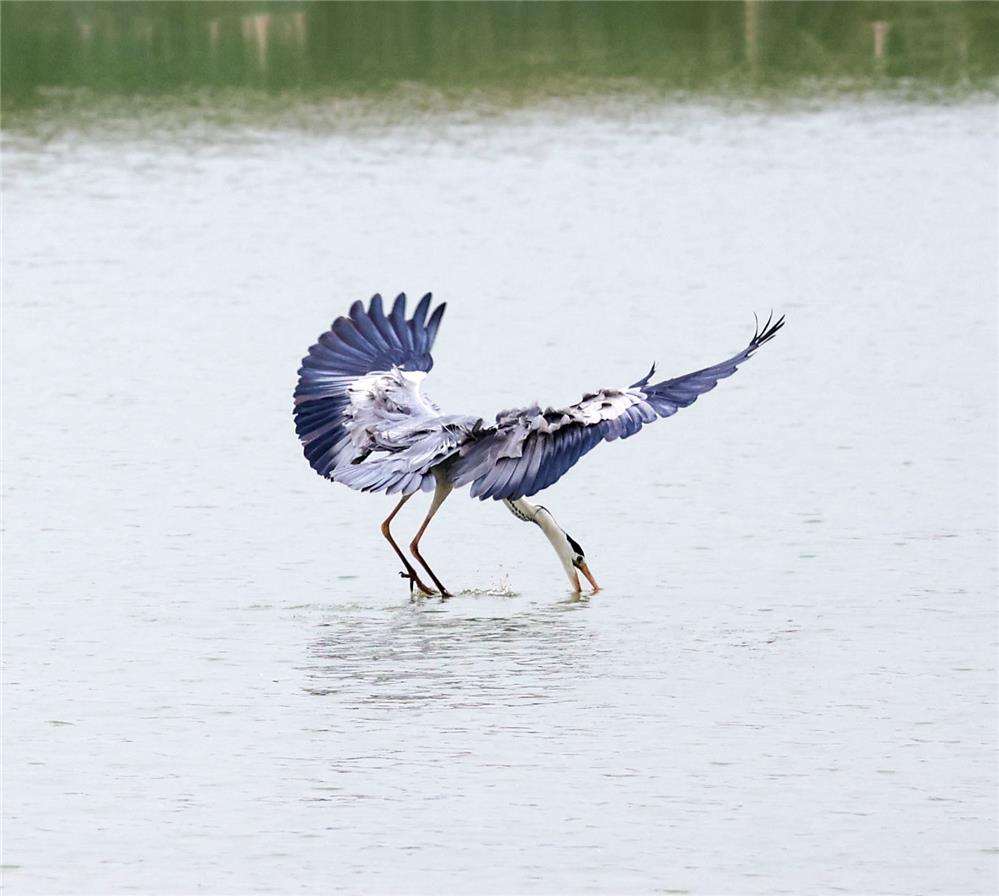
x,y
531,513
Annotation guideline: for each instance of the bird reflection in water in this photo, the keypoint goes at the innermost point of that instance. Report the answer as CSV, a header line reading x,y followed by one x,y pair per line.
x,y
451,655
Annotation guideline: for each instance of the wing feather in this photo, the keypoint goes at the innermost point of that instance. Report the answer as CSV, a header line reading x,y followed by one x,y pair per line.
x,y
434,323
377,314
418,326
367,327
399,323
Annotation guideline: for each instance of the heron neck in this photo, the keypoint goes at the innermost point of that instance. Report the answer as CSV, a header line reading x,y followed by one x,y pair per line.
x,y
531,513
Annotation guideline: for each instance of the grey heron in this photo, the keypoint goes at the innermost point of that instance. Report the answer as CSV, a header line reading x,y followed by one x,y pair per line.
x,y
364,420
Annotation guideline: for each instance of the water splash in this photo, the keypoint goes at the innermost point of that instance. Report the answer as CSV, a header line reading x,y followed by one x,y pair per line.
x,y
501,589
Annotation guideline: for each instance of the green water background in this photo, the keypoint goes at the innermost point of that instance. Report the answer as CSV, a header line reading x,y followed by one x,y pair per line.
x,y
55,50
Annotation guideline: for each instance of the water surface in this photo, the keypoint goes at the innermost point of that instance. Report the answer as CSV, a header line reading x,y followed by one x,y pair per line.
x,y
215,678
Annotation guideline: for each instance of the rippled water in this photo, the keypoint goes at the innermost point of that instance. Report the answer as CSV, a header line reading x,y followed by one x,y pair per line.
x,y
215,678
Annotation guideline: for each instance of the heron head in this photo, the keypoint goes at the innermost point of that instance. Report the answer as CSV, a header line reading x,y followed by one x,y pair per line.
x,y
578,560
569,551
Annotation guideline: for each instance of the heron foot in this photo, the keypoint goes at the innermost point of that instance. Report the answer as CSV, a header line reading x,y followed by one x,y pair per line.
x,y
415,582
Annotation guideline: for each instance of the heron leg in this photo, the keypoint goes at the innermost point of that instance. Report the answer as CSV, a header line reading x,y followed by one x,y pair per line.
x,y
440,493
410,573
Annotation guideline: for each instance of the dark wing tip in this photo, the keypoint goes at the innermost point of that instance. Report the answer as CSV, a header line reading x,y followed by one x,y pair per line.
x,y
770,329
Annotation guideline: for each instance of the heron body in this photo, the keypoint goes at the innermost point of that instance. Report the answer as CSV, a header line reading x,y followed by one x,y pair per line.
x,y
364,421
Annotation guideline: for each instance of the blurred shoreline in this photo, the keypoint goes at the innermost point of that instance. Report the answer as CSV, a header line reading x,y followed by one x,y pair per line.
x,y
61,58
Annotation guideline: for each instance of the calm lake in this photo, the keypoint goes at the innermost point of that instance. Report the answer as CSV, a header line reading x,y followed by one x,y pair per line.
x,y
215,679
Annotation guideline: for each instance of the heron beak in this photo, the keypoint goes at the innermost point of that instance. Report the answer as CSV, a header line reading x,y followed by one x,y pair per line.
x,y
589,576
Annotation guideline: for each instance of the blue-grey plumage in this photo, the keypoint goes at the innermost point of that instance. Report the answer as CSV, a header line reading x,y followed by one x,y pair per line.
x,y
364,420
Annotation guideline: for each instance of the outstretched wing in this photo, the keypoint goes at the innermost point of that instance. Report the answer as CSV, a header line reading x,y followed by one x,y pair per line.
x,y
359,393
529,449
